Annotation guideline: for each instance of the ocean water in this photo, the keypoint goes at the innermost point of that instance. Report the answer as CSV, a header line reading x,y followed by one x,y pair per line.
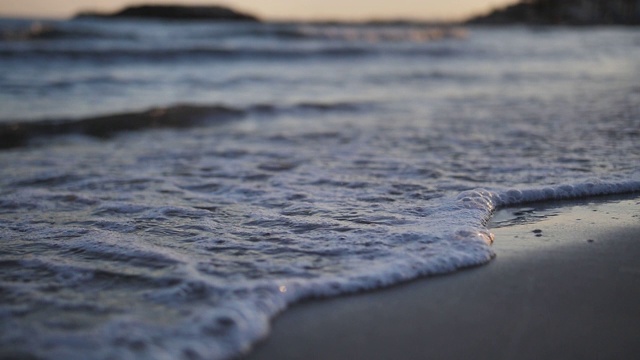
x,y
276,162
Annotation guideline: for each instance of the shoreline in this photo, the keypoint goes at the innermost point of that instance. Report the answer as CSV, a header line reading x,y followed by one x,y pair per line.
x,y
565,284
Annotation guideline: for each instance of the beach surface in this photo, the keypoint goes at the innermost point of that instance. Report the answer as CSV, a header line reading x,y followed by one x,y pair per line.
x,y
565,284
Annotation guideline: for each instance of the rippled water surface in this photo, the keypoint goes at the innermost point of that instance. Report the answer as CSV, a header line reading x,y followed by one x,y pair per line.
x,y
349,157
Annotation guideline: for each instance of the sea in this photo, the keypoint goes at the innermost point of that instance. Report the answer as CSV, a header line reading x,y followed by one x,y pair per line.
x,y
167,188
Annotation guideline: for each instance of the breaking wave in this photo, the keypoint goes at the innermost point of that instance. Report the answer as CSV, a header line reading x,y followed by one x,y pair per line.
x,y
19,133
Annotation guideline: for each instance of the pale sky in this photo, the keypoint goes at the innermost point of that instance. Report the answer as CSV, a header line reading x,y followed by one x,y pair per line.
x,y
276,9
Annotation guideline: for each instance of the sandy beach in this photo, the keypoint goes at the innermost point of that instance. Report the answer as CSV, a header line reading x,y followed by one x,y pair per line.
x,y
565,284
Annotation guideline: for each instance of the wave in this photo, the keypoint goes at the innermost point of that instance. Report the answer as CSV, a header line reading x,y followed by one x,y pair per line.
x,y
108,55
345,32
192,53
376,34
43,31
422,76
206,309
19,133
105,42
491,200
341,32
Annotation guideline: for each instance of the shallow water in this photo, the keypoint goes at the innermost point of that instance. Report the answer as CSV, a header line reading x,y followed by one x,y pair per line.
x,y
350,163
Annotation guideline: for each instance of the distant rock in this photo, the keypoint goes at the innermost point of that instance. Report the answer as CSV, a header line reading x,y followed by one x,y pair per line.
x,y
174,12
566,12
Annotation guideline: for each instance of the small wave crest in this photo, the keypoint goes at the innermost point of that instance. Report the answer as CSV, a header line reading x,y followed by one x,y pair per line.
x,y
489,201
292,32
192,53
18,133
43,31
219,53
585,189
343,32
376,34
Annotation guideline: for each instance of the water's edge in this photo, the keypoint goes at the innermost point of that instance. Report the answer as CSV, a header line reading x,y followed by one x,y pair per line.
x,y
484,204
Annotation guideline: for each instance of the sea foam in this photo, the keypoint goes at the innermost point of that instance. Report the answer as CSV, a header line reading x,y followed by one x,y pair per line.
x,y
202,297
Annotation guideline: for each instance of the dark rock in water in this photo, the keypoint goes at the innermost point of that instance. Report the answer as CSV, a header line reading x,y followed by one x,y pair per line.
x,y
175,12
565,12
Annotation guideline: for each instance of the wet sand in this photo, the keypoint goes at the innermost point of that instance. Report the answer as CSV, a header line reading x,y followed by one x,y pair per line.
x,y
565,285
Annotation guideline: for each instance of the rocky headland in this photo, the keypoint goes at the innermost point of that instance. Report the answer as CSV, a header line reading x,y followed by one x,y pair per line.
x,y
174,12
566,12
